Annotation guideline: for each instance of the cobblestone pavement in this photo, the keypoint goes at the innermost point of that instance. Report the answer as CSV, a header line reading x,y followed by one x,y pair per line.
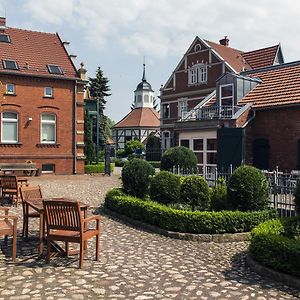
x,y
134,264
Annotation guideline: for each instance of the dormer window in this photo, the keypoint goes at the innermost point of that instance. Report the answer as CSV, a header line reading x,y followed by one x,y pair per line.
x,y
4,38
54,69
10,64
48,92
197,74
226,101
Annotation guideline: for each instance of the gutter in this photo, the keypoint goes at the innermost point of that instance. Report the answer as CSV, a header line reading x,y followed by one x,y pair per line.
x,y
74,130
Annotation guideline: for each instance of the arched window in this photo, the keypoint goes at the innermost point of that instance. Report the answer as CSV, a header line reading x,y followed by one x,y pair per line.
x,y
9,127
139,98
146,98
261,153
48,128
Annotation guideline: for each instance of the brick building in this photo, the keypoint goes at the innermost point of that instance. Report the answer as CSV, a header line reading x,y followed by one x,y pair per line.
x,y
203,92
41,94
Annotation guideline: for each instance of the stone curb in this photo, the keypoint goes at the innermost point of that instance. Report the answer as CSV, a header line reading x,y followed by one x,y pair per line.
x,y
273,274
216,238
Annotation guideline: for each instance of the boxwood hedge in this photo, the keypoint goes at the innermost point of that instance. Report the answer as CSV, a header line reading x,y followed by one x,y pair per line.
x,y
97,168
272,246
184,221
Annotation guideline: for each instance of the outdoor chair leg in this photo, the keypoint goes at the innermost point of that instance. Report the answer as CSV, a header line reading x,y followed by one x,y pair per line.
x,y
81,254
48,252
97,247
67,248
14,242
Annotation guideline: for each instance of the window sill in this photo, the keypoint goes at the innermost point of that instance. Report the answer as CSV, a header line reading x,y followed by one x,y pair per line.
x,y
10,94
197,83
10,145
48,97
44,145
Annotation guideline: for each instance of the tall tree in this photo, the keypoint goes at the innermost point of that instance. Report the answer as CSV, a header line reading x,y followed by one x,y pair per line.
x,y
89,150
99,89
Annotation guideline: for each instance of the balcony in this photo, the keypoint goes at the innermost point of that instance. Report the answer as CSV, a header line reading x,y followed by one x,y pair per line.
x,y
210,112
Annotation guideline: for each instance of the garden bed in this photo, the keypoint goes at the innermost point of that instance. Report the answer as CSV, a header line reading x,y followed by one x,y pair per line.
x,y
183,221
275,244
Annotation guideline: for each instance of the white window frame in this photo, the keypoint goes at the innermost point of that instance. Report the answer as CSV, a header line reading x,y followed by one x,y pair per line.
x,y
197,74
15,121
45,92
226,97
7,90
182,107
166,141
48,122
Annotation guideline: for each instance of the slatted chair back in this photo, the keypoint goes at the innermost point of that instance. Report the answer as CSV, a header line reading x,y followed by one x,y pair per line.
x,y
9,182
63,215
30,192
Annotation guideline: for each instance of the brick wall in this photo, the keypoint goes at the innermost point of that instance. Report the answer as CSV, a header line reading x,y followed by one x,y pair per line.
x,y
29,102
281,127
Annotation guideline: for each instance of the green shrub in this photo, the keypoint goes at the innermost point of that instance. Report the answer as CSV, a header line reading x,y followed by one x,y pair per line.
x,y
248,189
135,177
219,196
121,153
133,145
297,198
97,168
194,191
165,187
181,157
154,164
271,247
118,162
186,221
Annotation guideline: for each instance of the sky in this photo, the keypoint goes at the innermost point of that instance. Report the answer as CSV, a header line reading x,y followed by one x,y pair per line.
x,y
117,34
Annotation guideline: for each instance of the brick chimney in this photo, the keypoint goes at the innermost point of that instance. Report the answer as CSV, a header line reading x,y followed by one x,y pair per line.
x,y
224,42
2,22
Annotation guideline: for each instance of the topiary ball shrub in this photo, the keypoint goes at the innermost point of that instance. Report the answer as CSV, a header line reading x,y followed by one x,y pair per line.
x,y
297,199
180,157
135,177
165,188
248,189
195,192
219,196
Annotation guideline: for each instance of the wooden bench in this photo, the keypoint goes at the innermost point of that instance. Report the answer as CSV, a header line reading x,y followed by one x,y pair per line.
x,y
23,169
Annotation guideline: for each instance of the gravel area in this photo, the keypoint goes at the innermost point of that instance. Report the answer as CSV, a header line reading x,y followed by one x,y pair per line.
x,y
134,264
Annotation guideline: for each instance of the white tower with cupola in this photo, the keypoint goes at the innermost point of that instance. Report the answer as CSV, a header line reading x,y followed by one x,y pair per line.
x,y
143,95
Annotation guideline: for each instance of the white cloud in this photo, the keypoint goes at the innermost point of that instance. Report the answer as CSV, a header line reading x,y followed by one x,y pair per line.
x,y
162,28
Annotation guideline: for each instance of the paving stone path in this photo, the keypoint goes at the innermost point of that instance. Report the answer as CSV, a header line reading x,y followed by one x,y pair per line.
x,y
134,264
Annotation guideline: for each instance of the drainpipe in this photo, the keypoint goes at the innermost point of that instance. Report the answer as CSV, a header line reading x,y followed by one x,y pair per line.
x,y
74,129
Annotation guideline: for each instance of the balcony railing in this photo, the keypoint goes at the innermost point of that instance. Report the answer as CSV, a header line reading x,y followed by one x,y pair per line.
x,y
210,112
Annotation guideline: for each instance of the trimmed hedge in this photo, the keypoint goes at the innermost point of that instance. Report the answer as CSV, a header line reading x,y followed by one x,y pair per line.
x,y
271,246
185,221
97,168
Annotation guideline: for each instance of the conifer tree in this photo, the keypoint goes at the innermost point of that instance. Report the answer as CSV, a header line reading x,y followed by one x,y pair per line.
x,y
89,150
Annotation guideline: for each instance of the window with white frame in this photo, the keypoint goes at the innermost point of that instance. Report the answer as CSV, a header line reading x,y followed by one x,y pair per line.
x,y
48,92
9,127
226,101
182,107
10,89
48,128
197,74
166,140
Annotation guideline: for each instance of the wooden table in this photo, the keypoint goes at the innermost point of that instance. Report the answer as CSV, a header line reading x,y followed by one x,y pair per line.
x,y
37,205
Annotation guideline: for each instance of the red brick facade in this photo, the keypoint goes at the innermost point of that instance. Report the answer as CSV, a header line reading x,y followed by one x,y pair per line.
x,y
28,103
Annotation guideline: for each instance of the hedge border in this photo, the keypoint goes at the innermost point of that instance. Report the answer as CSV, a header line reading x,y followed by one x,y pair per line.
x,y
216,238
180,222
275,275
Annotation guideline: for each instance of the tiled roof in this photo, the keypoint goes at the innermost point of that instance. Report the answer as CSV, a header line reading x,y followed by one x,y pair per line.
x,y
140,117
262,57
233,56
280,86
33,51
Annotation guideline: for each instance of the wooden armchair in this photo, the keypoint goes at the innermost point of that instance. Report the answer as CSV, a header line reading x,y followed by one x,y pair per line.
x,y
64,222
9,185
8,228
27,193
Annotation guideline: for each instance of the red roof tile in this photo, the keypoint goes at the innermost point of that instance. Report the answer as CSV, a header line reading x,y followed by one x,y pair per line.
x,y
233,56
36,50
140,117
280,86
262,57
